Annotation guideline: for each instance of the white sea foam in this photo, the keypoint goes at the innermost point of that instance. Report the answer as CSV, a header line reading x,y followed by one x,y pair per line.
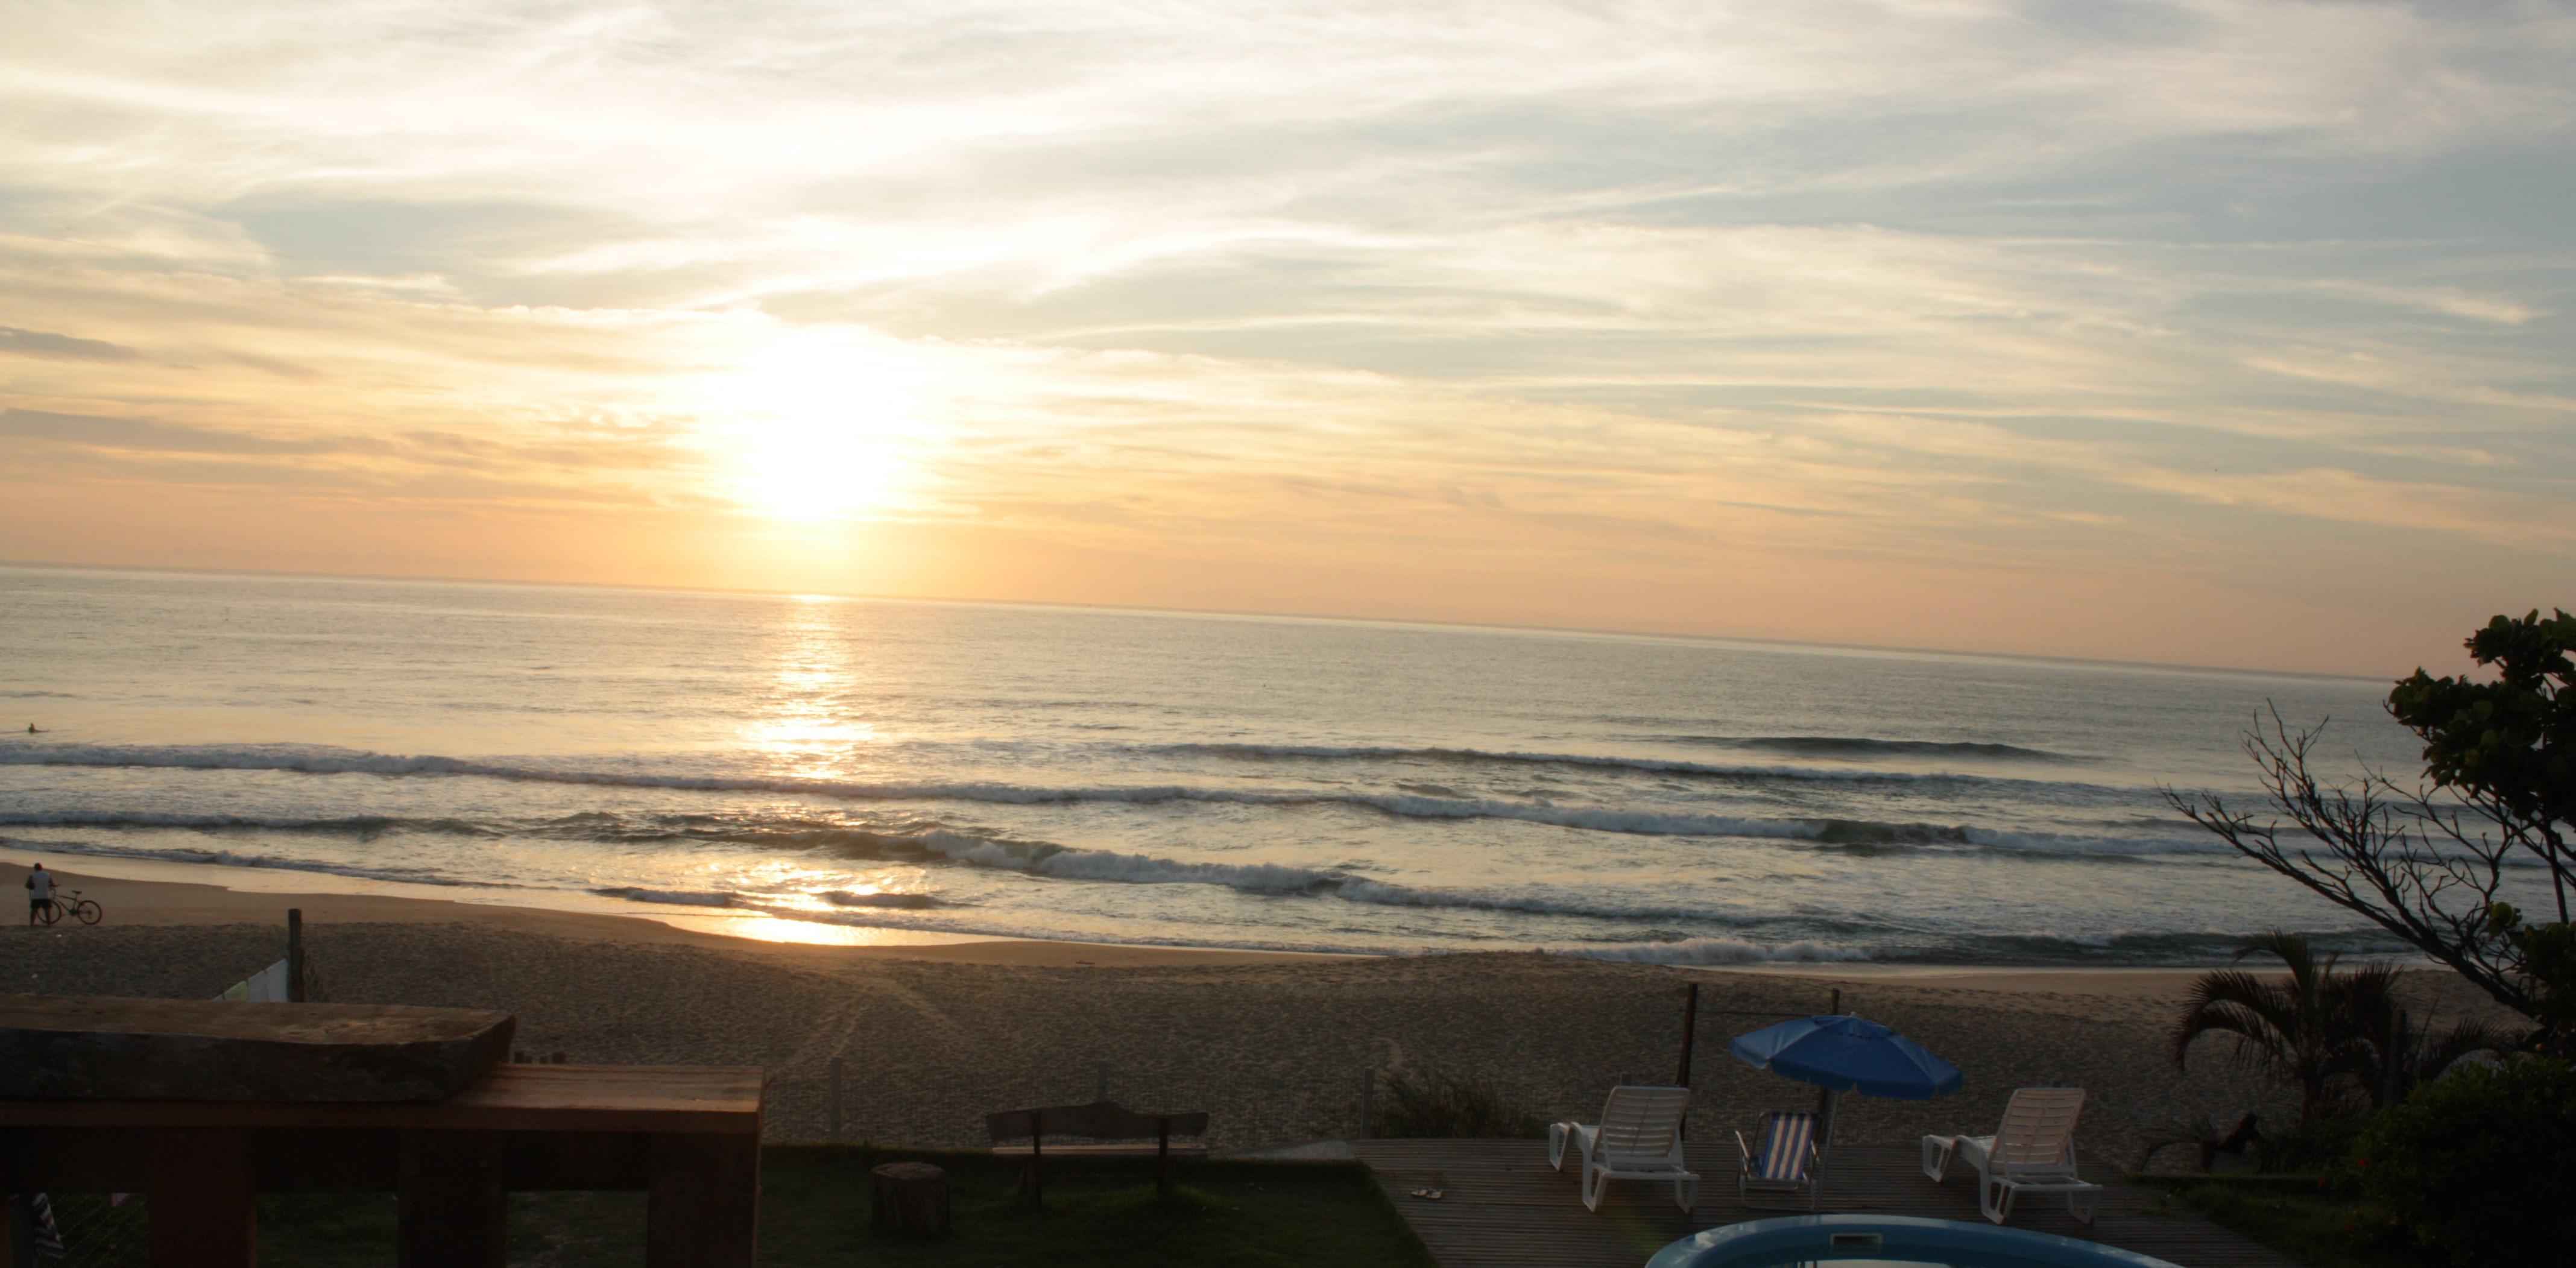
x,y
229,858
321,761
1718,951
1652,765
682,897
1361,890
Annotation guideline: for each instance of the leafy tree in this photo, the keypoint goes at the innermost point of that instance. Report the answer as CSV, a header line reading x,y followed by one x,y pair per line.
x,y
2508,746
2501,755
2341,1037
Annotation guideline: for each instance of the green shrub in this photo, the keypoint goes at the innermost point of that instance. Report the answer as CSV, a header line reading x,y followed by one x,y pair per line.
x,y
2320,1147
1441,1106
2479,1166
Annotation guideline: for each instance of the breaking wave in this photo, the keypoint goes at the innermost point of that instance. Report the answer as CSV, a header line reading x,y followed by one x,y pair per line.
x,y
1648,765
1864,747
682,897
229,858
914,838
323,760
329,761
1718,951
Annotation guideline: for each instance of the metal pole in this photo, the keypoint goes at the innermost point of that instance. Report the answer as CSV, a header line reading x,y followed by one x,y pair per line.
x,y
295,955
1836,1007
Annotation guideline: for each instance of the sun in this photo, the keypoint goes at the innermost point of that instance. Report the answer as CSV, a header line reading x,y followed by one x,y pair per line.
x,y
820,432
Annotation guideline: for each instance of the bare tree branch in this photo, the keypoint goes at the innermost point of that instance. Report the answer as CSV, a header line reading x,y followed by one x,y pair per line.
x,y
2387,854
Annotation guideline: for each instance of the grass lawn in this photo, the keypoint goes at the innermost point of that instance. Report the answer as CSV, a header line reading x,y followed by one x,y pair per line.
x,y
2291,1215
814,1210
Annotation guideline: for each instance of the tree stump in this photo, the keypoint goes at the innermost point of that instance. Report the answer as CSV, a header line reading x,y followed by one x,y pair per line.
x,y
911,1197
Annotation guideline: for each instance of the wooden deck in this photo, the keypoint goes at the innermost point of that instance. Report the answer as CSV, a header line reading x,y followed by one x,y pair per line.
x,y
1503,1207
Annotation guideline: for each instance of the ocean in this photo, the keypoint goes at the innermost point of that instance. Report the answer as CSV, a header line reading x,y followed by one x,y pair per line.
x,y
1125,776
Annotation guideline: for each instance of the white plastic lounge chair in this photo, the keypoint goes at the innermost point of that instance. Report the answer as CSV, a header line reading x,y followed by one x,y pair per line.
x,y
1789,1166
1639,1138
2032,1152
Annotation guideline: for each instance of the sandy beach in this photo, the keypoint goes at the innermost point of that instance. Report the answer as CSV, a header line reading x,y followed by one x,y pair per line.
x,y
935,1034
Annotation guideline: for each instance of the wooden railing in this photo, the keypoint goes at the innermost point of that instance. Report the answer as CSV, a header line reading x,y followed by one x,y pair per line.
x,y
688,1137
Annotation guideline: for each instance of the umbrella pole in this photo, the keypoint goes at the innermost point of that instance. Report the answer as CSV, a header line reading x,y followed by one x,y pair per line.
x,y
1825,1105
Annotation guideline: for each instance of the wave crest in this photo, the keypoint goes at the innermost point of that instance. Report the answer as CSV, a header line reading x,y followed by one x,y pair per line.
x,y
1719,951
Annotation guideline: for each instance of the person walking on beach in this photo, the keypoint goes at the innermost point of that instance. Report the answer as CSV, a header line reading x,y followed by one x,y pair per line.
x,y
40,894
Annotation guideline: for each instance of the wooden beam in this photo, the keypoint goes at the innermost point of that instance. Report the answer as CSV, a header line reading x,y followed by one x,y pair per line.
x,y
319,1160
203,1210
101,1049
509,1098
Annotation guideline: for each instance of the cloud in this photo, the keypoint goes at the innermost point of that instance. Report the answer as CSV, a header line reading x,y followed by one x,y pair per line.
x,y
38,343
108,432
1991,285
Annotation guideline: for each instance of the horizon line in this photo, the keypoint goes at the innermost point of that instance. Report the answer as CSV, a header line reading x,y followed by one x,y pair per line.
x,y
1150,609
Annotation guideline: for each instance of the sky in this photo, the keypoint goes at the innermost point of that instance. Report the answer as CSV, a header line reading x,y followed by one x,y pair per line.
x,y
2213,333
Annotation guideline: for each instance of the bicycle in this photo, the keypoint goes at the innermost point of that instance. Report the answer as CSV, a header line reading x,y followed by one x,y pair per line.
x,y
70,903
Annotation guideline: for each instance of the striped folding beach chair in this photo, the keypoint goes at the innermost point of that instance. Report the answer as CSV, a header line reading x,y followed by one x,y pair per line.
x,y
1788,1167
49,1235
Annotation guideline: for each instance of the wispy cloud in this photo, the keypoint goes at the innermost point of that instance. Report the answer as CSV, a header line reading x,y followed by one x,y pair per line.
x,y
54,347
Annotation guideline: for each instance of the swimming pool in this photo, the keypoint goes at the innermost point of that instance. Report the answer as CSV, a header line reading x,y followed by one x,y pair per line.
x,y
1857,1240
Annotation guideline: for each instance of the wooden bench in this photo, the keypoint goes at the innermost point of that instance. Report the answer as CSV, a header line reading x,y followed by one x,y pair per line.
x,y
1098,1122
689,1137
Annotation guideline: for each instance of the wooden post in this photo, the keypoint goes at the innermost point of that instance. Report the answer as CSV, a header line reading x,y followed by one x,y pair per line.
x,y
1037,1160
704,1205
1368,1099
1163,1160
836,1098
202,1208
450,1206
1825,1100
1690,1031
295,955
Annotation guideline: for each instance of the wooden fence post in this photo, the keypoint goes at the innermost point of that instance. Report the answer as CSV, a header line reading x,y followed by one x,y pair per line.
x,y
295,955
1690,1031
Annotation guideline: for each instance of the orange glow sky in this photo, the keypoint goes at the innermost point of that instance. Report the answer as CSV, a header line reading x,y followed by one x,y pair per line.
x,y
2219,333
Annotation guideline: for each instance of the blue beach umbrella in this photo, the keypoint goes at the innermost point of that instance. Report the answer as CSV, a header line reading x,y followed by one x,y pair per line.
x,y
1848,1054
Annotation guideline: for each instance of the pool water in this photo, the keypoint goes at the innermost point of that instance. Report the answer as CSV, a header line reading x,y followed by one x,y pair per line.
x,y
1897,1241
